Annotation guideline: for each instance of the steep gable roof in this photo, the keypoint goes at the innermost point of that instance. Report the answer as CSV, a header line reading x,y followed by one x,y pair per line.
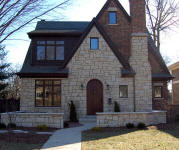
x,y
118,4
106,38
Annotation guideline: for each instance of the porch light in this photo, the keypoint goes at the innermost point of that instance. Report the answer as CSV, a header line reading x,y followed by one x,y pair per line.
x,y
107,86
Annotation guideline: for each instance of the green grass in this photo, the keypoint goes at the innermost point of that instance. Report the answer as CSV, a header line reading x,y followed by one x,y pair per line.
x,y
118,139
19,146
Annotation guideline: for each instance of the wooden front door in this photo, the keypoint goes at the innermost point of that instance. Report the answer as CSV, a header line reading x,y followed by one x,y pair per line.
x,y
94,97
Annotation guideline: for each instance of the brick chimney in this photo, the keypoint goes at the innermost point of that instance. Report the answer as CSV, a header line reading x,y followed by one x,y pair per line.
x,y
137,12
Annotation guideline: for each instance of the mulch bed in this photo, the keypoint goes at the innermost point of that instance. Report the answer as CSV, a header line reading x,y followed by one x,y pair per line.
x,y
29,138
167,126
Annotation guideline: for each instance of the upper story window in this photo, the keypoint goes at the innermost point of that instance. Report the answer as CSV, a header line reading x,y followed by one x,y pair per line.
x,y
112,18
94,43
50,50
158,91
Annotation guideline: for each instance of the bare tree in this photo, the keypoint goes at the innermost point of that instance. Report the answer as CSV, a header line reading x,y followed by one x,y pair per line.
x,y
15,14
13,88
162,16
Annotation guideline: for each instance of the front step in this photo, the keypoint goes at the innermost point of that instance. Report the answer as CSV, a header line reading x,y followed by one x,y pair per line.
x,y
88,119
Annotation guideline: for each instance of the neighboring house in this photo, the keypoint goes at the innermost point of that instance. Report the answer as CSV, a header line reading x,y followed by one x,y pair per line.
x,y
173,108
175,83
112,58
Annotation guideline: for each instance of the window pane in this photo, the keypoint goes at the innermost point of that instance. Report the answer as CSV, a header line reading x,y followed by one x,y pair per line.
x,y
57,82
158,92
112,18
50,52
57,95
48,95
39,82
48,82
51,42
39,96
59,42
41,42
40,52
123,91
94,43
60,53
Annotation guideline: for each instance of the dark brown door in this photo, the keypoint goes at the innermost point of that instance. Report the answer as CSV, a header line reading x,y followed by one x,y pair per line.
x,y
94,97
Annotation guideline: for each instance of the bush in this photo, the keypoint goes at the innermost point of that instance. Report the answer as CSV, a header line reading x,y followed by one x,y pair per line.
x,y
73,115
141,125
42,127
96,129
11,125
2,126
116,107
130,125
66,125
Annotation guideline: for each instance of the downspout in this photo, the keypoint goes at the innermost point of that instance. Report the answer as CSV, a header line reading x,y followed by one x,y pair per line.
x,y
134,99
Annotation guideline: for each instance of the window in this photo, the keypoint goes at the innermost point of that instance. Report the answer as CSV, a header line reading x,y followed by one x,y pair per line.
x,y
123,91
50,50
94,43
158,91
112,18
48,93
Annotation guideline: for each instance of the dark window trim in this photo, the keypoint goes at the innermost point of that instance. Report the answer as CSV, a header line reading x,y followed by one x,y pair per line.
x,y
44,92
90,43
55,45
127,91
161,92
109,17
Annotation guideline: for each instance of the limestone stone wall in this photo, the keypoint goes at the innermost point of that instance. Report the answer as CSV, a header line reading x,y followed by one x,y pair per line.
x,y
54,120
121,119
27,99
99,64
140,63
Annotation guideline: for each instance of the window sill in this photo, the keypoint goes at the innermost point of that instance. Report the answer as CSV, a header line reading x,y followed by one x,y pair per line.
x,y
113,24
158,98
47,107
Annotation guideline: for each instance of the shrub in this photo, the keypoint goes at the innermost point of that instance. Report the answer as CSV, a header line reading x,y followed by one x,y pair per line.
x,y
96,129
141,125
73,115
11,125
2,126
116,107
42,127
66,125
130,125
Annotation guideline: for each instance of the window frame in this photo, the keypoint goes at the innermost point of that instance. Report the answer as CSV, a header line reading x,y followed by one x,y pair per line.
x,y
46,45
109,22
97,43
161,92
43,86
127,91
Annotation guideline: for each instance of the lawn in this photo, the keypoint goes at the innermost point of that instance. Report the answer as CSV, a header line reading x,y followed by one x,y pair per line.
x,y
131,139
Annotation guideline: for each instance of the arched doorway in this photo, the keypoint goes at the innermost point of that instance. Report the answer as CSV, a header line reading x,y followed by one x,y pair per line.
x,y
94,97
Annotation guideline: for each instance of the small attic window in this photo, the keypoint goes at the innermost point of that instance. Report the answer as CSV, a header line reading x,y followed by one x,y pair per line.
x,y
94,43
112,18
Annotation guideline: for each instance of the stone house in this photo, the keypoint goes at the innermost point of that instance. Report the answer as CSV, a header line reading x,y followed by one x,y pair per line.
x,y
112,58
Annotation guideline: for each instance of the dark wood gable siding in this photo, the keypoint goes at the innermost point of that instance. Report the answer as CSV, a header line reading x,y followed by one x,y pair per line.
x,y
69,43
119,33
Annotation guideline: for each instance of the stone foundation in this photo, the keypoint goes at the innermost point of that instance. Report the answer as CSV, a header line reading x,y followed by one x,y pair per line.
x,y
122,118
54,120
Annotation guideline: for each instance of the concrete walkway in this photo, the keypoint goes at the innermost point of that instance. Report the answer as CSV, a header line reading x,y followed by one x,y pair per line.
x,y
67,139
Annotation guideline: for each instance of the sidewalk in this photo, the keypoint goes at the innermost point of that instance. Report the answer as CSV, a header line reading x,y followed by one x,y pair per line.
x,y
67,139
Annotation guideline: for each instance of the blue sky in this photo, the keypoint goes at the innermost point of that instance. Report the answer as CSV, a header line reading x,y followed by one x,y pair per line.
x,y
83,10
